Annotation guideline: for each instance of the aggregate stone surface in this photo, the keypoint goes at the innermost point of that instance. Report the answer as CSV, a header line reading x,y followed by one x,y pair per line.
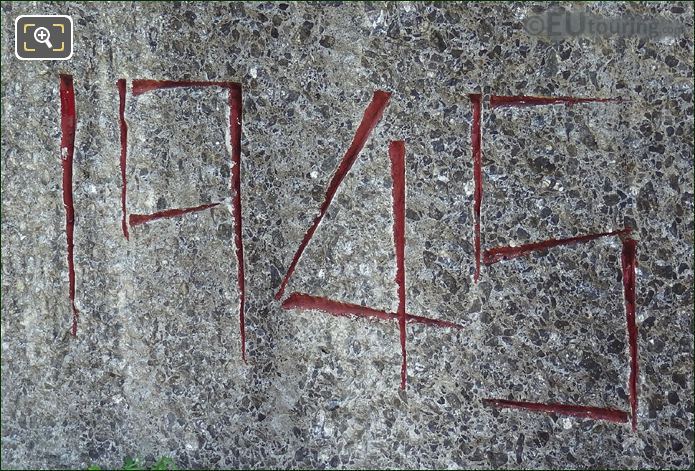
x,y
155,368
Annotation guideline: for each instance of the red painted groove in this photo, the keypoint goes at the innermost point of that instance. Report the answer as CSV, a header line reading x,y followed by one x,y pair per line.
x,y
235,117
397,156
124,152
235,111
499,254
137,219
476,144
306,302
144,86
629,262
68,125
584,412
371,117
497,101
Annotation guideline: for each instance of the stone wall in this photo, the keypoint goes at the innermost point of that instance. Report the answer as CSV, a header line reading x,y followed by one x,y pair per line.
x,y
156,368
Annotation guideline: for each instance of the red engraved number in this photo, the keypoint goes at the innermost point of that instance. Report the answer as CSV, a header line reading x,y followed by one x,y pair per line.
x,y
68,126
304,301
499,254
235,108
396,150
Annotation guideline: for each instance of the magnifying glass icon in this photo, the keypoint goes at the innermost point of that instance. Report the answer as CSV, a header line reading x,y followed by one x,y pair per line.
x,y
43,36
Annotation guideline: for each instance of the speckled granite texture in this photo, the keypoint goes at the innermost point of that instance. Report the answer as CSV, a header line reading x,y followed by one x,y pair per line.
x,y
155,368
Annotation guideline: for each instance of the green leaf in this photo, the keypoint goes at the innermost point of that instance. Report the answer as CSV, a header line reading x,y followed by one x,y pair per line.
x,y
132,464
163,464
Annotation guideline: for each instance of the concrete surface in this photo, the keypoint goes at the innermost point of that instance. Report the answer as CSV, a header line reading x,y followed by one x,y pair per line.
x,y
155,368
